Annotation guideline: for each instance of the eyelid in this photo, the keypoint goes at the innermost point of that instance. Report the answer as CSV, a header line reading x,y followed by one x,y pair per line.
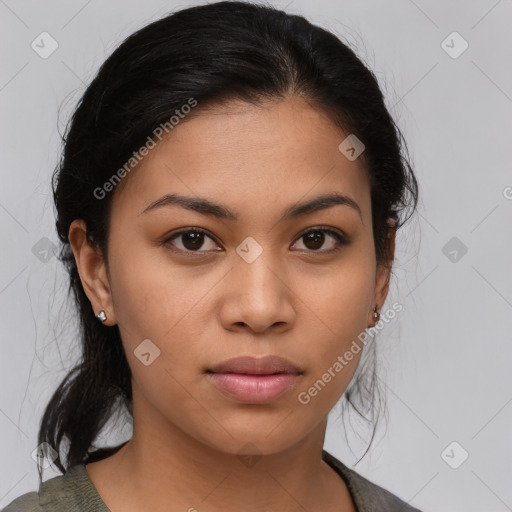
x,y
327,229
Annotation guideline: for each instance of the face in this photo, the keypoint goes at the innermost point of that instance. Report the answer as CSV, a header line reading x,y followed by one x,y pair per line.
x,y
191,289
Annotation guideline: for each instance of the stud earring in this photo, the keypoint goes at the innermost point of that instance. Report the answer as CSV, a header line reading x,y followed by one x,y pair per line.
x,y
101,316
376,314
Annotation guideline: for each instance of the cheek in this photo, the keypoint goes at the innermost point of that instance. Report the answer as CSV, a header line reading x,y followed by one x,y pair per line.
x,y
341,297
153,310
159,302
340,305
146,289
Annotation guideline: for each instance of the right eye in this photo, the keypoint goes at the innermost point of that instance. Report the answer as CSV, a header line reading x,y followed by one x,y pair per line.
x,y
191,239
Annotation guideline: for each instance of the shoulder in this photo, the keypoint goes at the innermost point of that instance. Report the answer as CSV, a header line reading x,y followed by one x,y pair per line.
x,y
63,493
368,497
28,502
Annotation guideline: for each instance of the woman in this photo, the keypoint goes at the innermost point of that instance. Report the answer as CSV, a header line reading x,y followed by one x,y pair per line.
x,y
227,200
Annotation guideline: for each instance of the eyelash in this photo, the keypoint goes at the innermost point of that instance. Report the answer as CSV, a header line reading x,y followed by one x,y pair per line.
x,y
341,239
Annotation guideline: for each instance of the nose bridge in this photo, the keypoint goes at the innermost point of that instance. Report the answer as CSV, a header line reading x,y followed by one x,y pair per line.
x,y
257,267
260,296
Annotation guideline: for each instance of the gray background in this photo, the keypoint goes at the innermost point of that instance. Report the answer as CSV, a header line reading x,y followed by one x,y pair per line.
x,y
445,359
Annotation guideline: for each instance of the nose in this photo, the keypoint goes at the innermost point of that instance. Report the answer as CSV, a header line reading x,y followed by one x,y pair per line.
x,y
259,297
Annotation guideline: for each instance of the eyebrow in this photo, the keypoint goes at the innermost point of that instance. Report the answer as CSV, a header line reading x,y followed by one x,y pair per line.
x,y
207,207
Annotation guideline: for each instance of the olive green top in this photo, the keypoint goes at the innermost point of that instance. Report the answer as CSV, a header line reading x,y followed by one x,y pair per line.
x,y
75,492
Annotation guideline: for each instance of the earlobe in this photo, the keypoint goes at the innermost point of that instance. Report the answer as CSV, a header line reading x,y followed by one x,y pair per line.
x,y
92,270
376,314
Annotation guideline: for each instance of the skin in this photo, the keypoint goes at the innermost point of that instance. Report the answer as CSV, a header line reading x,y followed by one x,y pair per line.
x,y
295,300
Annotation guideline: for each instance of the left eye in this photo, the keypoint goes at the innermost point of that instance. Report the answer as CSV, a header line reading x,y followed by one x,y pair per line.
x,y
315,239
192,239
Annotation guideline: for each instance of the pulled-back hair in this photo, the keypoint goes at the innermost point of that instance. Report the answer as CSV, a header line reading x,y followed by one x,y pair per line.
x,y
213,53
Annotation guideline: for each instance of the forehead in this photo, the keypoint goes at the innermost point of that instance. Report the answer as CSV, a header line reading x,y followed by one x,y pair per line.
x,y
254,159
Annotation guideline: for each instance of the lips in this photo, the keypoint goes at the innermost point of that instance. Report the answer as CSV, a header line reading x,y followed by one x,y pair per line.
x,y
255,380
249,365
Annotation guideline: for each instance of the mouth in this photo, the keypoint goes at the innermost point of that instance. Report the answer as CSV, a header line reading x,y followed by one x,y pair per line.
x,y
255,380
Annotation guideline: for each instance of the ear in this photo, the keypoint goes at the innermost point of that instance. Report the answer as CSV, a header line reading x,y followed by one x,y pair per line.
x,y
383,276
92,271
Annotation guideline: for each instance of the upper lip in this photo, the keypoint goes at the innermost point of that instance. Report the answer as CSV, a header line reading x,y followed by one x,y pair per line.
x,y
250,365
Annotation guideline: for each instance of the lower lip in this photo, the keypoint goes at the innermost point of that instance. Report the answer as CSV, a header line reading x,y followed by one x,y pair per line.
x,y
254,389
